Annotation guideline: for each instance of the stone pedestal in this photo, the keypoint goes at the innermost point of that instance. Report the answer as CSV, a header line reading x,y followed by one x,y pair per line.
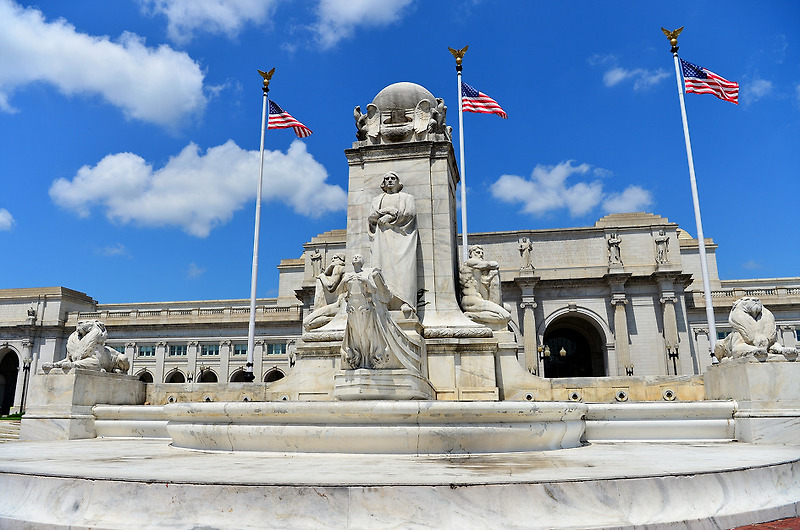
x,y
381,384
60,404
767,394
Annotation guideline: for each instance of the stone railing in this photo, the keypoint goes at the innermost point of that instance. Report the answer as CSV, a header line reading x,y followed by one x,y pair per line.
x,y
778,294
185,314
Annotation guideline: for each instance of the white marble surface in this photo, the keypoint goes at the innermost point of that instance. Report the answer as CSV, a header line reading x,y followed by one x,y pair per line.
x,y
386,427
148,484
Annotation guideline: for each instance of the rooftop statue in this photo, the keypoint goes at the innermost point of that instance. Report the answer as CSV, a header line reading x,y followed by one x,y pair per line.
x,y
86,348
754,333
393,230
372,339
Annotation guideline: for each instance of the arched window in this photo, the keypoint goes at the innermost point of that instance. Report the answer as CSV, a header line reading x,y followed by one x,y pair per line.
x,y
238,377
145,376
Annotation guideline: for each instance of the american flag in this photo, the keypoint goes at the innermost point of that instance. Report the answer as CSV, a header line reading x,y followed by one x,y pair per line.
x,y
280,119
475,101
698,80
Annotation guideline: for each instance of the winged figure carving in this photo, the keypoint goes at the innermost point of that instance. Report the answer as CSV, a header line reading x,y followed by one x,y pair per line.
x,y
458,54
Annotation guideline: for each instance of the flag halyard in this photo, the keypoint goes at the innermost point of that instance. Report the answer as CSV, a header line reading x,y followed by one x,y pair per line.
x,y
699,80
280,119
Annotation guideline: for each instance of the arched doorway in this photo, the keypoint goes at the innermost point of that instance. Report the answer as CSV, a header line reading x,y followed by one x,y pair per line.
x,y
175,377
239,376
576,349
9,366
273,375
207,376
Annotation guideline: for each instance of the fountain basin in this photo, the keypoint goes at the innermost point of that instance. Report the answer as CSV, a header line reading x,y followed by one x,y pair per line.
x,y
377,427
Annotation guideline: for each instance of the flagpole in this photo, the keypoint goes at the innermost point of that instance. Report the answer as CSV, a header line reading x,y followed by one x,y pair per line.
x,y
712,327
459,55
251,330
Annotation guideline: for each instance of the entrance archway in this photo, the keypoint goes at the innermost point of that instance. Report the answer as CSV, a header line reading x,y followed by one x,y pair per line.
x,y
9,366
582,345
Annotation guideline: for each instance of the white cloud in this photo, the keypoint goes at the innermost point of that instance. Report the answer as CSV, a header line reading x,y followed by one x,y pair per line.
x,y
548,190
642,77
113,251
194,271
632,199
158,85
228,17
751,265
6,219
339,18
757,89
197,191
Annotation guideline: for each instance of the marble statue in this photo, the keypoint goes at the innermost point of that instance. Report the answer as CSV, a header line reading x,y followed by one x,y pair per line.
x,y
662,247
614,257
476,307
754,333
361,123
487,274
393,231
372,339
401,112
86,348
327,298
525,248
316,262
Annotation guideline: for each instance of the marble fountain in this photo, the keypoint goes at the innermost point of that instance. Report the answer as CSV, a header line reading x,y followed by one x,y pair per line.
x,y
407,406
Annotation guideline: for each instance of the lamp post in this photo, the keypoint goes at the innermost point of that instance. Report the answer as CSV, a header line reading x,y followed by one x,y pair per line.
x,y
26,369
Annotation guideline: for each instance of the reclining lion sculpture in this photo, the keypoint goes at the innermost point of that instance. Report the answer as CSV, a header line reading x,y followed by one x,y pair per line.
x,y
754,333
86,348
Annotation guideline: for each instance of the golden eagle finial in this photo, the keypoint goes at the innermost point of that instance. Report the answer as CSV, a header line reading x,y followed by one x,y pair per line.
x,y
673,37
267,77
458,54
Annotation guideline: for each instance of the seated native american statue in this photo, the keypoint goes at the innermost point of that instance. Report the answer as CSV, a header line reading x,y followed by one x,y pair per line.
x,y
86,348
754,333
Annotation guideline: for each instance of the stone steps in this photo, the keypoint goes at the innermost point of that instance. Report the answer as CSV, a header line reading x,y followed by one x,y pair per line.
x,y
9,431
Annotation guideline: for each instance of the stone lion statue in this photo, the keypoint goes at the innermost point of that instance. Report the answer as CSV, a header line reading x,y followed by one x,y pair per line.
x,y
86,348
754,333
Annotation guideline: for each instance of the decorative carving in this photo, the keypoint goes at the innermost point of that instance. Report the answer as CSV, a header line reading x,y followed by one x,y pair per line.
x,y
327,298
401,112
361,123
372,339
525,248
316,262
459,333
393,231
86,348
478,308
614,255
754,333
486,273
662,247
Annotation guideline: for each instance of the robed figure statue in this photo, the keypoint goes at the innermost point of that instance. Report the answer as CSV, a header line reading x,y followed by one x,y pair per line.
x,y
393,230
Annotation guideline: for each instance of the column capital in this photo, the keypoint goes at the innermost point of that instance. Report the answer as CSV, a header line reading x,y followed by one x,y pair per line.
x,y
528,304
619,299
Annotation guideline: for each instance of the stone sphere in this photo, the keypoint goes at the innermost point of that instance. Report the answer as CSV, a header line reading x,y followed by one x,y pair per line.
x,y
402,96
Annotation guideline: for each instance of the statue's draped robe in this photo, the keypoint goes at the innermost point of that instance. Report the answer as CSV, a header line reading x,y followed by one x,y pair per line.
x,y
372,339
394,246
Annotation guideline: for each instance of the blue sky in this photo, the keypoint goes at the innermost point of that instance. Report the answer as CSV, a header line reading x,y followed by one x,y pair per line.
x,y
130,129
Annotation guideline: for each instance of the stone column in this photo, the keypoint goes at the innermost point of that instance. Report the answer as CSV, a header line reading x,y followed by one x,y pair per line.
x,y
130,352
670,326
624,364
259,351
703,347
225,351
526,283
192,352
161,354
19,393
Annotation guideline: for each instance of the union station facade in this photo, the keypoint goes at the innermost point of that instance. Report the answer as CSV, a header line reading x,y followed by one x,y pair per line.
x,y
621,298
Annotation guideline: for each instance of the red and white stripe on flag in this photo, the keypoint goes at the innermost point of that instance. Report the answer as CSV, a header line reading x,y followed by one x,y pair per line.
x,y
699,80
280,119
473,100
